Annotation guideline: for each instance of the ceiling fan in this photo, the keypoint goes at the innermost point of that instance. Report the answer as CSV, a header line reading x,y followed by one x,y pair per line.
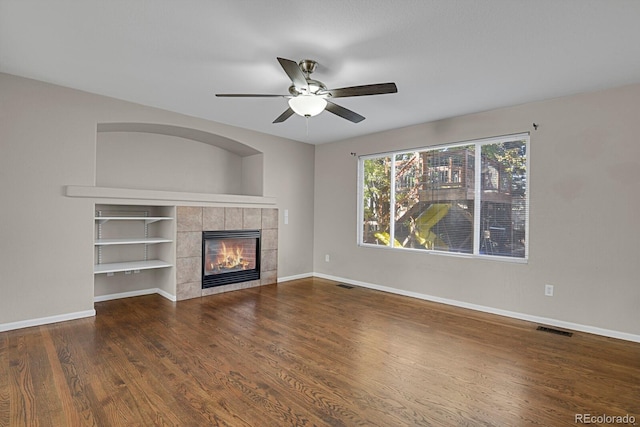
x,y
309,97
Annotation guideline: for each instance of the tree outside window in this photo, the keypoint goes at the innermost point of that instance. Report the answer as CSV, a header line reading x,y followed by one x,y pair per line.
x,y
436,193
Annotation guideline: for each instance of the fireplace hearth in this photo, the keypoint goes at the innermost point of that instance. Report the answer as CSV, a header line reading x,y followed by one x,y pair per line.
x,y
230,256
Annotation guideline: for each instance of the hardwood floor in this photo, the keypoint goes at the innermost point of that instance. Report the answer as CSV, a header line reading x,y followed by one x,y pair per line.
x,y
308,353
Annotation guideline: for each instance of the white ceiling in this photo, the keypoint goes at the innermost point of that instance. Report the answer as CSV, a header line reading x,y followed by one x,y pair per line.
x,y
447,57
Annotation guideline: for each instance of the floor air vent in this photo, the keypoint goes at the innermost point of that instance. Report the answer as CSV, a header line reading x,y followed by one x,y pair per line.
x,y
554,331
342,285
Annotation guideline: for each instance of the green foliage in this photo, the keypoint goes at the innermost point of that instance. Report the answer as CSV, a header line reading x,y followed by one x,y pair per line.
x,y
513,158
377,191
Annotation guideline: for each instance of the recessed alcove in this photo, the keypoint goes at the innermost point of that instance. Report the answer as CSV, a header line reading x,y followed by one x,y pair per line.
x,y
159,157
147,169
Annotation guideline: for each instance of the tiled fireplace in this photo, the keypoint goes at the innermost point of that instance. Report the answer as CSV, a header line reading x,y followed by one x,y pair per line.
x,y
192,221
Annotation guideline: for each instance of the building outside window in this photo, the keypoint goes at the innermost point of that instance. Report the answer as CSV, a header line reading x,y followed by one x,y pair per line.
x,y
443,199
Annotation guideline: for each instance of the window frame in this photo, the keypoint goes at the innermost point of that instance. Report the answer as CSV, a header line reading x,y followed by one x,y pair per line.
x,y
478,144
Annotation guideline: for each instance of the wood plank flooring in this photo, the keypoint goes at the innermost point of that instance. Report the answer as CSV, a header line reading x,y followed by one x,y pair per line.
x,y
308,353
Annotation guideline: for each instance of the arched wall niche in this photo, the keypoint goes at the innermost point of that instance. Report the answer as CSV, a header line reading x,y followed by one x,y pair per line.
x,y
151,156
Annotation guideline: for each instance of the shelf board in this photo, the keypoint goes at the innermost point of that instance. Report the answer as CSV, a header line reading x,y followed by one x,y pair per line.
x,y
166,197
132,241
115,267
146,219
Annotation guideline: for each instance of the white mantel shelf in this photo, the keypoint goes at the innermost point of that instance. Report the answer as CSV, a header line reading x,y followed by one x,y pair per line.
x,y
165,196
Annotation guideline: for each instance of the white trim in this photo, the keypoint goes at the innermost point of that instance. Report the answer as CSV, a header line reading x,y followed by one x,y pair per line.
x,y
46,320
360,201
526,214
477,200
166,294
506,313
82,314
168,196
294,277
392,202
487,140
130,294
530,318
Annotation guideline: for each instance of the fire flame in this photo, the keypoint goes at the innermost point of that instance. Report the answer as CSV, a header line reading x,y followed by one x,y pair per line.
x,y
230,258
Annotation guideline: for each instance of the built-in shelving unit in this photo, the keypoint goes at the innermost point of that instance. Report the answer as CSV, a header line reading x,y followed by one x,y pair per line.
x,y
140,236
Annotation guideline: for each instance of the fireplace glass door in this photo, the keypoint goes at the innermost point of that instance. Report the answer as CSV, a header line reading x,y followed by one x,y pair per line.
x,y
230,256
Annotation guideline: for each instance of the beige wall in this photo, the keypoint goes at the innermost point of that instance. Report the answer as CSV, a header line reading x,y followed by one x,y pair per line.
x,y
584,181
584,231
48,141
162,162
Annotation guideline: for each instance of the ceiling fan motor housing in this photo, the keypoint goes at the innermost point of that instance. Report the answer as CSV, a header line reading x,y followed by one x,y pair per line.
x,y
308,66
315,88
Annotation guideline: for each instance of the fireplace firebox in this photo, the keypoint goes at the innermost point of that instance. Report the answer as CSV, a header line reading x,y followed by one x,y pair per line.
x,y
230,256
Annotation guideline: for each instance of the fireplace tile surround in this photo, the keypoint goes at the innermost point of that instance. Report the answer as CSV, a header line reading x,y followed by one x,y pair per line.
x,y
193,220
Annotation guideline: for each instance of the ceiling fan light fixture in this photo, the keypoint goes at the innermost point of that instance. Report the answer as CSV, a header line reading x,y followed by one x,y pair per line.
x,y
307,105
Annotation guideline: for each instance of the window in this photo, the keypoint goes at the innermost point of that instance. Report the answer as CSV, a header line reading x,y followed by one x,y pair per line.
x,y
468,198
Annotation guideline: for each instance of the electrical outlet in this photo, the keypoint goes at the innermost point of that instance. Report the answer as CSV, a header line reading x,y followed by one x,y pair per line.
x,y
548,290
327,258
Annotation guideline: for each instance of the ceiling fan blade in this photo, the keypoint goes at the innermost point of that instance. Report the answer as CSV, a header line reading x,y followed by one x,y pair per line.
x,y
374,89
284,116
294,72
345,113
249,95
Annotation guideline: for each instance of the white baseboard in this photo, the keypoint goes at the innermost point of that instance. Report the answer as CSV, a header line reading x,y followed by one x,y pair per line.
x,y
129,294
166,294
81,314
530,318
295,277
46,320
